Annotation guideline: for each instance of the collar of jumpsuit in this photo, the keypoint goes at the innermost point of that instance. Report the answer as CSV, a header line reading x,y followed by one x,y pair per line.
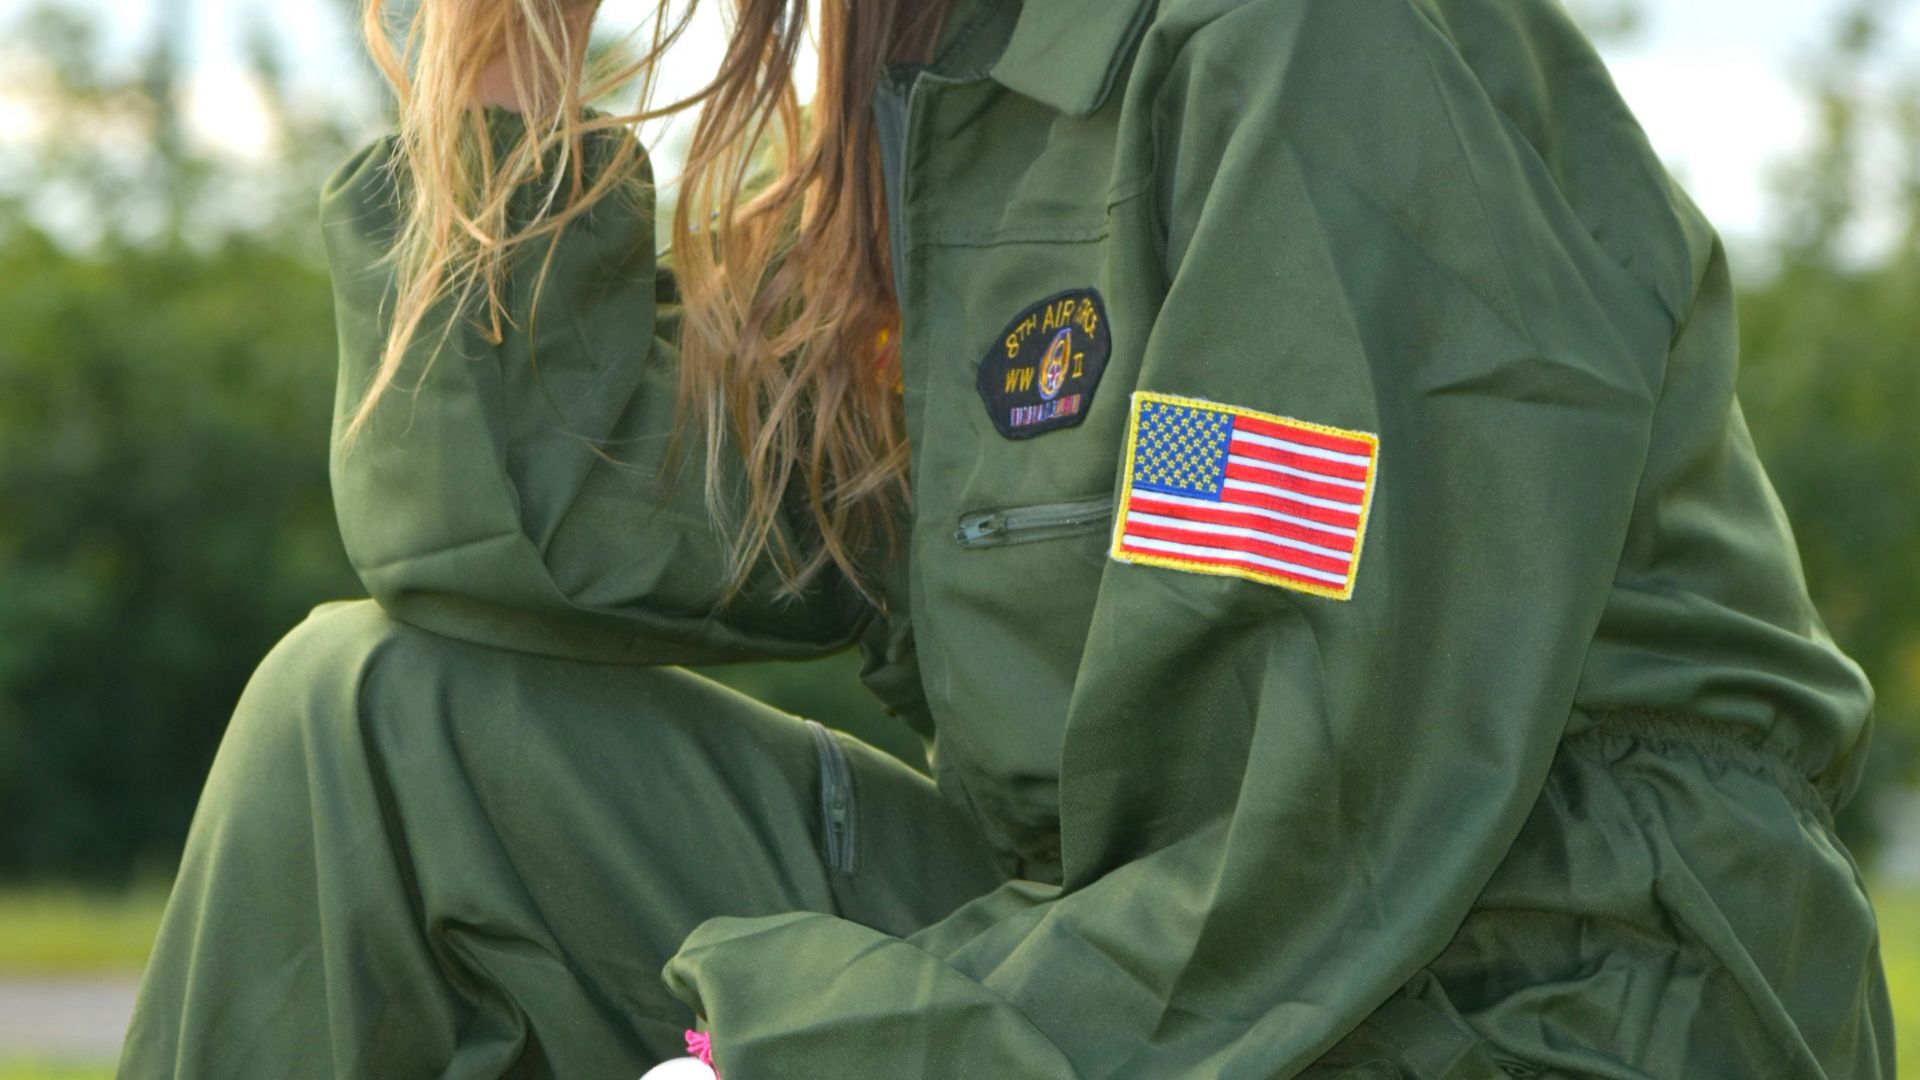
x,y
1321,411
1063,53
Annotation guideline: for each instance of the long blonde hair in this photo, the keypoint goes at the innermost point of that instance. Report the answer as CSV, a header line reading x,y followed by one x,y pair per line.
x,y
788,327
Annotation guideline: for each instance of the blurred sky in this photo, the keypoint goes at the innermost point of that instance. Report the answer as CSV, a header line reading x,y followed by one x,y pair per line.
x,y
1712,81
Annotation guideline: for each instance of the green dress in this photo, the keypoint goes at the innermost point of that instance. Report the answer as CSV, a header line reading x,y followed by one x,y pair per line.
x,y
1352,630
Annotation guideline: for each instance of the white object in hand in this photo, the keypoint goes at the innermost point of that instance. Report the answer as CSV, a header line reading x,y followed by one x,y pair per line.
x,y
683,1068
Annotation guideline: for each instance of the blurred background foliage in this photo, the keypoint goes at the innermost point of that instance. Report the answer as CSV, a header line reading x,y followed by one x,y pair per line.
x,y
166,387
166,381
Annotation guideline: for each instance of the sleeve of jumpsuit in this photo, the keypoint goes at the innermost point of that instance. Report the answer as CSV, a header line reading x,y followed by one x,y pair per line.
x,y
1277,807
514,492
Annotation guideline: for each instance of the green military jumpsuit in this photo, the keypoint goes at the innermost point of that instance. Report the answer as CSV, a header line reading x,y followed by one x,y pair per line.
x,y
1507,744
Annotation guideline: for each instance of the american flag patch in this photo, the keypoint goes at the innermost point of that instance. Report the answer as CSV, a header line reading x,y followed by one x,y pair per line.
x,y
1218,489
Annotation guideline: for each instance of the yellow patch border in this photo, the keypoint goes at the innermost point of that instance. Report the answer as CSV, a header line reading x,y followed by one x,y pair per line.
x,y
1174,562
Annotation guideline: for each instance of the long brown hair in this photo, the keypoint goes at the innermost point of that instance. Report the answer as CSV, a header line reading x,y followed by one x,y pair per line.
x,y
788,328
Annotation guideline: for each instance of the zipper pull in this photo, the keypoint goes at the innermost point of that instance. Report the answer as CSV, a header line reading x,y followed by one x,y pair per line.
x,y
839,853
977,527
839,810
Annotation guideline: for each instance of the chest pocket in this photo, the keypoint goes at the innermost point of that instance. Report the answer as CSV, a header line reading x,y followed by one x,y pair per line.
x,y
1012,531
1022,405
1023,290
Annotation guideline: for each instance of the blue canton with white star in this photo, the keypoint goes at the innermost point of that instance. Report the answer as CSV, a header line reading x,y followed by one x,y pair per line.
x,y
1181,450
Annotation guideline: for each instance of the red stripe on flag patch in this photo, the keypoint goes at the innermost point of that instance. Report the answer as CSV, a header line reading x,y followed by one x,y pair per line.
x,y
1345,519
1357,443
1221,489
1331,538
1247,448
1237,542
1233,566
1296,485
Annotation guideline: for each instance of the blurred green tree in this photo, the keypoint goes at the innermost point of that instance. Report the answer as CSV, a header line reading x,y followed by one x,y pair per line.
x,y
1829,377
165,396
166,388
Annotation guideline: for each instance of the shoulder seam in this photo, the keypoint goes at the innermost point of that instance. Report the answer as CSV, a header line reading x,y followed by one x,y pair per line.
x,y
1651,286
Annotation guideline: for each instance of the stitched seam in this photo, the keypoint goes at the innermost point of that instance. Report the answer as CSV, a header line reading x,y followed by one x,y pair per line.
x,y
966,236
975,237
1651,287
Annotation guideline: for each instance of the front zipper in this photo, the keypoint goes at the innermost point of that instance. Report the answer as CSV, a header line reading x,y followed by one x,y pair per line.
x,y
836,798
1042,521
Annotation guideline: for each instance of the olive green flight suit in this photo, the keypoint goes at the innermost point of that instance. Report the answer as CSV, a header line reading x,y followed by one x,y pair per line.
x,y
1505,742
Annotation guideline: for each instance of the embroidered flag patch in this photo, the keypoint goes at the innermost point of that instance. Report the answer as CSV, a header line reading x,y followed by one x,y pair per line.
x,y
1218,489
1041,372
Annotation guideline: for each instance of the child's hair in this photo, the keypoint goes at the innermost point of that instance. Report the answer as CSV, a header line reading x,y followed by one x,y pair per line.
x,y
786,289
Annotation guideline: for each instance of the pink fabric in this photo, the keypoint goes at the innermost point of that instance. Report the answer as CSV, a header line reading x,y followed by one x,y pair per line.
x,y
700,1045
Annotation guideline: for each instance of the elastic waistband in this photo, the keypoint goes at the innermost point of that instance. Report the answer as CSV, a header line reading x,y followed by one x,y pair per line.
x,y
1727,742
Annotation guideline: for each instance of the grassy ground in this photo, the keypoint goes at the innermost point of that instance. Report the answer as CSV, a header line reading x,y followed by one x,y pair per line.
x,y
1899,911
63,933
72,933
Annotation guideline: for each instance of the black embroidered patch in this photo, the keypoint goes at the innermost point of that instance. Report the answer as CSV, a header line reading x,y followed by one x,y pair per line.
x,y
1041,372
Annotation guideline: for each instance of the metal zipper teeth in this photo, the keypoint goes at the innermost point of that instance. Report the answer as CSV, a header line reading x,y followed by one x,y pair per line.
x,y
836,798
1018,524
